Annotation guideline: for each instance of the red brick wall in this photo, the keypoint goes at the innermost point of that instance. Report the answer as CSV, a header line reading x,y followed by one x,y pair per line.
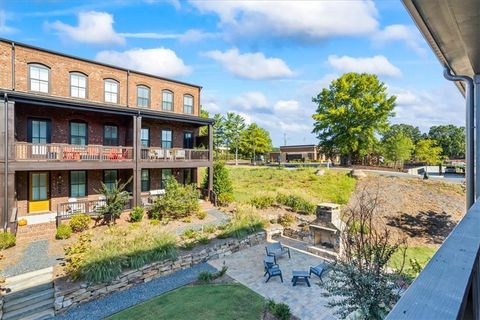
x,y
60,68
60,119
178,129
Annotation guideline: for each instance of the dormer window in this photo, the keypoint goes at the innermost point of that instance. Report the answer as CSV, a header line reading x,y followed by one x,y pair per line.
x,y
39,78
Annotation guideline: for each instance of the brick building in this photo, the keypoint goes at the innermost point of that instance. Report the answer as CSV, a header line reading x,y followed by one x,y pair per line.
x,y
67,124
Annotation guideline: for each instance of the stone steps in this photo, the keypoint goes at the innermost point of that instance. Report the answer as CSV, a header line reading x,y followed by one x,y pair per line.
x,y
29,296
37,231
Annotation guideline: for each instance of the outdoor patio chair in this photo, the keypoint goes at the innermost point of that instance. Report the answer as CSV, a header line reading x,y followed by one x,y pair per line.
x,y
319,270
277,250
272,269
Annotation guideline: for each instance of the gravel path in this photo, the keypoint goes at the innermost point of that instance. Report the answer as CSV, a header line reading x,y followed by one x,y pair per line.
x,y
118,301
220,218
34,257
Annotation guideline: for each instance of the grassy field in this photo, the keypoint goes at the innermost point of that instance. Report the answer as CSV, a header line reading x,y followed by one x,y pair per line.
x,y
331,187
220,302
421,254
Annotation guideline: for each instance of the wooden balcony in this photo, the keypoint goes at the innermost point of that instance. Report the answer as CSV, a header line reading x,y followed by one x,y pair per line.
x,y
174,154
67,152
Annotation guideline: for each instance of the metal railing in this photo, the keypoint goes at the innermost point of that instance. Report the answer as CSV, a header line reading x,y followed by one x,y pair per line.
x,y
161,154
448,287
67,152
65,210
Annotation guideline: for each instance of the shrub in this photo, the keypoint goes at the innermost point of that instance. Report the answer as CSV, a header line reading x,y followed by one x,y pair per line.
x,y
178,202
189,245
116,199
203,239
209,228
246,220
262,202
287,219
7,240
154,222
64,231
79,222
201,214
207,276
105,260
280,310
296,203
190,234
136,215
222,185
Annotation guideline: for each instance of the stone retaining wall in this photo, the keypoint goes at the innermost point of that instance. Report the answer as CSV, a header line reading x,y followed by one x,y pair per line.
x,y
301,235
69,294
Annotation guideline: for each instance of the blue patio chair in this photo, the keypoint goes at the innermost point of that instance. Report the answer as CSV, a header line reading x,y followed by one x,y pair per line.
x,y
319,270
272,269
277,250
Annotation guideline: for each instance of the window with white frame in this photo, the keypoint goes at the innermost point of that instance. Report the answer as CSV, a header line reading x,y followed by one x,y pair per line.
x,y
111,91
78,85
167,100
187,104
39,78
143,97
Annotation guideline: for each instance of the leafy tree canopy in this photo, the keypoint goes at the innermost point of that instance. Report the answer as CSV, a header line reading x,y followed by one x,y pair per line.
x,y
204,114
427,151
255,140
450,138
397,148
407,129
350,112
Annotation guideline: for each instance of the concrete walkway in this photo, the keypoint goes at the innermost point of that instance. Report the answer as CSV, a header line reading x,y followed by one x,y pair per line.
x,y
118,301
307,303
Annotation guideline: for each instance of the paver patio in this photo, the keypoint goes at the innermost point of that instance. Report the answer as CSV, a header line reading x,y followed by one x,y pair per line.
x,y
307,303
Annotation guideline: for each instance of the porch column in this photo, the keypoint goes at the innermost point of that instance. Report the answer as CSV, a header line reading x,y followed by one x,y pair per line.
x,y
210,158
7,153
137,156
476,105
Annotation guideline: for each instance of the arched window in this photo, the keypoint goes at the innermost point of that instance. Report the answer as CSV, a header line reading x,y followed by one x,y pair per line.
x,y
39,77
143,96
167,100
78,85
188,104
111,90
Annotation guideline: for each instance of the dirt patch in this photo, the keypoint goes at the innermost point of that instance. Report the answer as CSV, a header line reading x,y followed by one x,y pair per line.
x,y
425,211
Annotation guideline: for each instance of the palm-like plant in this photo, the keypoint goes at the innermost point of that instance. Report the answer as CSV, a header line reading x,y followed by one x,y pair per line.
x,y
115,200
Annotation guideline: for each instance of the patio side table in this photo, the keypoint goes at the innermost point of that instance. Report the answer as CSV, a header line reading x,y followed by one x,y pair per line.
x,y
300,275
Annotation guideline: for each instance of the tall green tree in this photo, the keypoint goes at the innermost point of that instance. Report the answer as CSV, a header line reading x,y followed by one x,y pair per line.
x,y
203,114
350,113
450,138
407,129
255,140
234,126
218,131
397,148
427,151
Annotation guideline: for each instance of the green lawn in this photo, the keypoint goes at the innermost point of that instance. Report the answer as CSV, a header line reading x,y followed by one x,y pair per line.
x,y
421,254
220,302
331,187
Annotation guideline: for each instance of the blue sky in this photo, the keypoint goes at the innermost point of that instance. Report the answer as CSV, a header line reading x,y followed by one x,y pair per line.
x,y
264,60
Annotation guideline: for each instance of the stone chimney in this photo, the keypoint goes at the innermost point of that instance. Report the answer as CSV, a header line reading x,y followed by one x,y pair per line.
x,y
329,213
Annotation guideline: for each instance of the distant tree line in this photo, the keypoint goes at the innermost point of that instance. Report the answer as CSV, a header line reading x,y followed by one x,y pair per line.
x,y
352,119
231,135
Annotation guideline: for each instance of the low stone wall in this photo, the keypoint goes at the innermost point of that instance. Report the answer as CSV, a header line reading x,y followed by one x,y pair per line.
x,y
69,294
301,235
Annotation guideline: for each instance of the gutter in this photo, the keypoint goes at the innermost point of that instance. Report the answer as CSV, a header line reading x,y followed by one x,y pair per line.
x,y
470,138
5,166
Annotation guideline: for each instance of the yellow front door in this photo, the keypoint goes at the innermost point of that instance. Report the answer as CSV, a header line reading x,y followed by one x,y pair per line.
x,y
39,197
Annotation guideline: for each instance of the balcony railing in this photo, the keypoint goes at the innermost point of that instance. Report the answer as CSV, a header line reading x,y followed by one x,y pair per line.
x,y
160,154
448,287
66,209
68,152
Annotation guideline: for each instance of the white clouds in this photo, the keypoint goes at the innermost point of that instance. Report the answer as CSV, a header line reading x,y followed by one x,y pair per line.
x,y
304,20
378,65
93,27
250,101
286,106
254,66
159,61
399,32
426,108
3,23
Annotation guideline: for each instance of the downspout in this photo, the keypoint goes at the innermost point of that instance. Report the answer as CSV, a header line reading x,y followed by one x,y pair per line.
x,y
469,135
5,167
13,66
